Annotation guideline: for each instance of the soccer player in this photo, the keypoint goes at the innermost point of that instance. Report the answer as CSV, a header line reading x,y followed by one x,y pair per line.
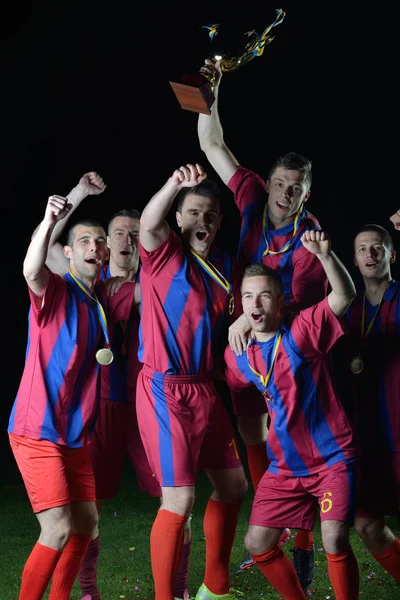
x,y
374,361
55,410
310,441
116,434
187,290
273,220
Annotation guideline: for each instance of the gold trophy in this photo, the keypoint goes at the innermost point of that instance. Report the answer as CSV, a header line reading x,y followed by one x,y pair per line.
x,y
195,92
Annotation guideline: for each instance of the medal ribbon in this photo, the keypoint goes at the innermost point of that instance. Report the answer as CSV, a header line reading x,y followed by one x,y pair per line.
x,y
364,334
264,380
214,273
289,242
100,309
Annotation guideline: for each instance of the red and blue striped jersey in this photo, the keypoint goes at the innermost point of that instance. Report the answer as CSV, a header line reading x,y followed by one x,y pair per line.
x,y
184,310
303,277
377,387
309,428
57,399
118,380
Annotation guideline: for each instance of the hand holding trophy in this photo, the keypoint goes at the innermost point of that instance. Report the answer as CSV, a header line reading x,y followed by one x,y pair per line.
x,y
195,92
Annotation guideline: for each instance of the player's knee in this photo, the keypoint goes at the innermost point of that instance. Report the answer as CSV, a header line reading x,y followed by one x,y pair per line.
x,y
253,430
56,534
85,519
235,490
372,529
335,538
257,540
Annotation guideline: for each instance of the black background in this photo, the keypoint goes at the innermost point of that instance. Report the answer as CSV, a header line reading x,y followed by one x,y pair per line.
x,y
85,86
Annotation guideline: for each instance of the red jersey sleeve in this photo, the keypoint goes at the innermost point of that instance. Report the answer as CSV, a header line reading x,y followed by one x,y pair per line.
x,y
309,284
168,253
55,294
316,329
234,378
248,188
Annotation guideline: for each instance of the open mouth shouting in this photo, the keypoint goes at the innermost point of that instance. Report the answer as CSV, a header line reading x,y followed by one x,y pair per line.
x,y
282,205
125,252
202,235
256,316
371,264
93,261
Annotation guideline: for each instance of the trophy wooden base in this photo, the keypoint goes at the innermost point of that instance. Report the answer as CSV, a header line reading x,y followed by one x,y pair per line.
x,y
194,93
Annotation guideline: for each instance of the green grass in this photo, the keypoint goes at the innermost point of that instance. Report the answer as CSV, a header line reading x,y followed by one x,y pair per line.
x,y
124,565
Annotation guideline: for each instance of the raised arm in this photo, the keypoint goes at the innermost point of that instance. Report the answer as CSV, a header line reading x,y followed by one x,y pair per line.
x,y
396,220
154,229
89,184
35,273
211,135
343,290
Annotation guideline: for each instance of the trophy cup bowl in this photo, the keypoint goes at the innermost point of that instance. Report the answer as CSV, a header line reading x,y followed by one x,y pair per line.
x,y
195,92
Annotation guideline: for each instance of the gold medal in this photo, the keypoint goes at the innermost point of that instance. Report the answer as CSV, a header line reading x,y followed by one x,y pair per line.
x,y
266,395
357,365
104,356
231,304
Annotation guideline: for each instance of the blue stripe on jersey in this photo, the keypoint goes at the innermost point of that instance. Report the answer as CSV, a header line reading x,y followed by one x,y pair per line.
x,y
164,429
203,332
272,458
286,270
247,217
75,421
200,342
54,375
141,347
292,458
174,306
313,412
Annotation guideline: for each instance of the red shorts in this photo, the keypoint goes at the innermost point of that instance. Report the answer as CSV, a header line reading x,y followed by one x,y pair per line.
x,y
293,501
116,435
53,474
184,427
248,403
378,492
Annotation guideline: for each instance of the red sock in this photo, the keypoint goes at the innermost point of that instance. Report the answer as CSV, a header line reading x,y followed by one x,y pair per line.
x,y
88,570
68,566
220,522
280,572
390,559
304,540
182,576
37,572
344,576
258,462
166,540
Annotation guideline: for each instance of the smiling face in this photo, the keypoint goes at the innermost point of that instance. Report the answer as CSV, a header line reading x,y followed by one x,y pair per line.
x,y
123,242
262,305
199,220
372,255
87,252
287,190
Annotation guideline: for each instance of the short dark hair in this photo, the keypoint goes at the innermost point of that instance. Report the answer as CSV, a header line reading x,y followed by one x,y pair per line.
x,y
85,223
294,162
131,213
260,270
386,237
207,188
